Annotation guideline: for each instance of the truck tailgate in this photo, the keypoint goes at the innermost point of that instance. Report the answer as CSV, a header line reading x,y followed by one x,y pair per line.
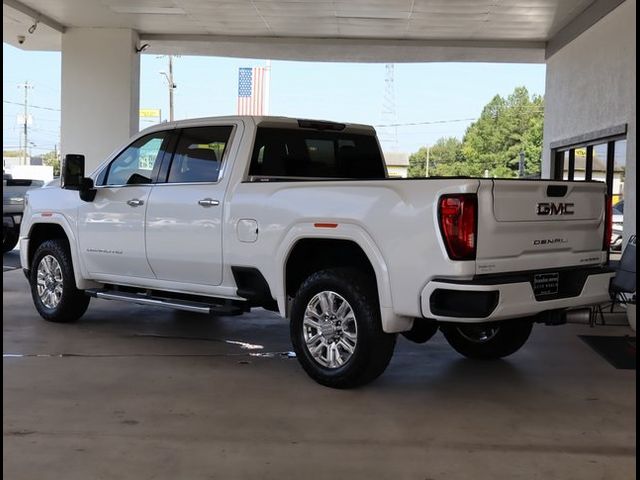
x,y
538,225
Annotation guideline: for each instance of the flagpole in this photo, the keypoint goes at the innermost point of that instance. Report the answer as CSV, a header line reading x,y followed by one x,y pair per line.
x,y
267,88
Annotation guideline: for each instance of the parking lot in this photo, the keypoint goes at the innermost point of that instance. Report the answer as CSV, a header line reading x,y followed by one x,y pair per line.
x,y
144,393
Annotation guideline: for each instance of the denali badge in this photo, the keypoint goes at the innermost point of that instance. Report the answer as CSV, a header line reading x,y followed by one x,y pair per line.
x,y
549,241
550,208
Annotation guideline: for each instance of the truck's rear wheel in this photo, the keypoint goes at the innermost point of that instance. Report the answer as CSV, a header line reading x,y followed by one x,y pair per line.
x,y
9,239
53,286
336,329
490,340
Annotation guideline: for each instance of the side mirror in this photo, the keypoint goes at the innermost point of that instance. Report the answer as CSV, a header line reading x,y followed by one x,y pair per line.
x,y
72,172
72,177
87,192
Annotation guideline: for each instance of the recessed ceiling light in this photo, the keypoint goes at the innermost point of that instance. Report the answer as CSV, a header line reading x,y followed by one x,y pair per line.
x,y
147,10
385,15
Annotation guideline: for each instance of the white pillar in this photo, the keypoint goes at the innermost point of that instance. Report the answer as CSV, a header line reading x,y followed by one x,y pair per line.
x,y
100,91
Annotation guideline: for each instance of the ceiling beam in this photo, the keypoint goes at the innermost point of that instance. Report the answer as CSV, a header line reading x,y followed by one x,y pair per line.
x,y
581,23
35,15
347,49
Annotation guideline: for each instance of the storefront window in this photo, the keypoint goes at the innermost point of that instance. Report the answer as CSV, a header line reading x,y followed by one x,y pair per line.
x,y
602,161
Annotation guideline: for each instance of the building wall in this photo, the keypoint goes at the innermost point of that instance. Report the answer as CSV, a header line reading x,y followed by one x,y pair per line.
x,y
397,171
590,86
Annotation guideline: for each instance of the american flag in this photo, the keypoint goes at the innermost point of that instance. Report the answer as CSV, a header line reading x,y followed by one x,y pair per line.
x,y
253,91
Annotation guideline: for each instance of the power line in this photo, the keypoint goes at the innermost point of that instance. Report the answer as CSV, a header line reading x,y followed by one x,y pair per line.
x,y
44,130
433,122
9,147
32,106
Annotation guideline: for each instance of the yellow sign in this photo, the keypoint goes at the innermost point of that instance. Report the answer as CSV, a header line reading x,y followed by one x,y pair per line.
x,y
581,152
150,112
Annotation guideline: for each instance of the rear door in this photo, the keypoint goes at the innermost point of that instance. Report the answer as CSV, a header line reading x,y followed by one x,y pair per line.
x,y
535,225
185,213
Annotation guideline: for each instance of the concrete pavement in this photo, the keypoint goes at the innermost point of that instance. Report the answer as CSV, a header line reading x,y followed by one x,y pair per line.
x,y
133,392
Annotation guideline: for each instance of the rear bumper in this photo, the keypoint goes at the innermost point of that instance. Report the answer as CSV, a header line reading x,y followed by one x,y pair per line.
x,y
492,298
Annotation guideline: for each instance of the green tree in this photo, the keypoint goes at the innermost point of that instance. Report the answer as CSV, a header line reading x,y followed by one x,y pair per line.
x,y
417,162
52,159
445,159
506,127
492,144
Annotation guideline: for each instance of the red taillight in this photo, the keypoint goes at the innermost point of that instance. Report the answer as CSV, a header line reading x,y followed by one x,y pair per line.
x,y
458,223
608,223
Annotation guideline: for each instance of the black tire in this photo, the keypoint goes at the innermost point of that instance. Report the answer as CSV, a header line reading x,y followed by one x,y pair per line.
x,y
373,349
422,330
500,340
9,239
73,302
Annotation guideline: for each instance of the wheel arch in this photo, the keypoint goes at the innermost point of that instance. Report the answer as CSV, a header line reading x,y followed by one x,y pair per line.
x,y
306,238
312,254
56,227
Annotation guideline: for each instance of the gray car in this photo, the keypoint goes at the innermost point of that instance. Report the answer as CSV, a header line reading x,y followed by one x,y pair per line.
x,y
13,192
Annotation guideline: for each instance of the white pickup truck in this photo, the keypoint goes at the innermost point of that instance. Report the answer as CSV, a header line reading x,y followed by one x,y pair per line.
x,y
220,215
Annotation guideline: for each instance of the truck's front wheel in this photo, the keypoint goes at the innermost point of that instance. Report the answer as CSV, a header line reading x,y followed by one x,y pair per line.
x,y
488,341
53,286
336,330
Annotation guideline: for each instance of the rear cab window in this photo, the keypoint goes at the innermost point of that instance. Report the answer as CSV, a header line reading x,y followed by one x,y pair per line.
x,y
281,153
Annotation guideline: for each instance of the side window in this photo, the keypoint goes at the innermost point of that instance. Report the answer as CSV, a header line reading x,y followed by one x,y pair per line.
x,y
199,154
136,163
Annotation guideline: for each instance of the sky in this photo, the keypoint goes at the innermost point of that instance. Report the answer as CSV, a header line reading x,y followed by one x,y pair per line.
x,y
345,92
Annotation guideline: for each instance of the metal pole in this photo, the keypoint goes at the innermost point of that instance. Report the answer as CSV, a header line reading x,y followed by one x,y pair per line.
x,y
25,133
521,171
26,112
267,89
171,87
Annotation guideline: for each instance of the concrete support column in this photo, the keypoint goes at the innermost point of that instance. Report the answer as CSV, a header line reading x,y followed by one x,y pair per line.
x,y
100,91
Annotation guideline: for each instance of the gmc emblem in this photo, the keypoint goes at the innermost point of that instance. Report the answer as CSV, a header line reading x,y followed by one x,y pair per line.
x,y
550,208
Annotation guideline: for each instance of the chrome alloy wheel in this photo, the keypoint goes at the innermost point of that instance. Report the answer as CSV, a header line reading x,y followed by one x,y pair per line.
x,y
49,281
478,333
330,329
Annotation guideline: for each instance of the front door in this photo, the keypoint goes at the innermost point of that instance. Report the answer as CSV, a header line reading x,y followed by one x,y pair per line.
x,y
111,228
184,216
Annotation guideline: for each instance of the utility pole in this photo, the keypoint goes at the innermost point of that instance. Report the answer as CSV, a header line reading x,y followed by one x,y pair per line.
x,y
521,165
267,89
25,133
172,86
426,173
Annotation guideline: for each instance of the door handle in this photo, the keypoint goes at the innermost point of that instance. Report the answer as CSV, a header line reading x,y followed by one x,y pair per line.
x,y
135,202
208,202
